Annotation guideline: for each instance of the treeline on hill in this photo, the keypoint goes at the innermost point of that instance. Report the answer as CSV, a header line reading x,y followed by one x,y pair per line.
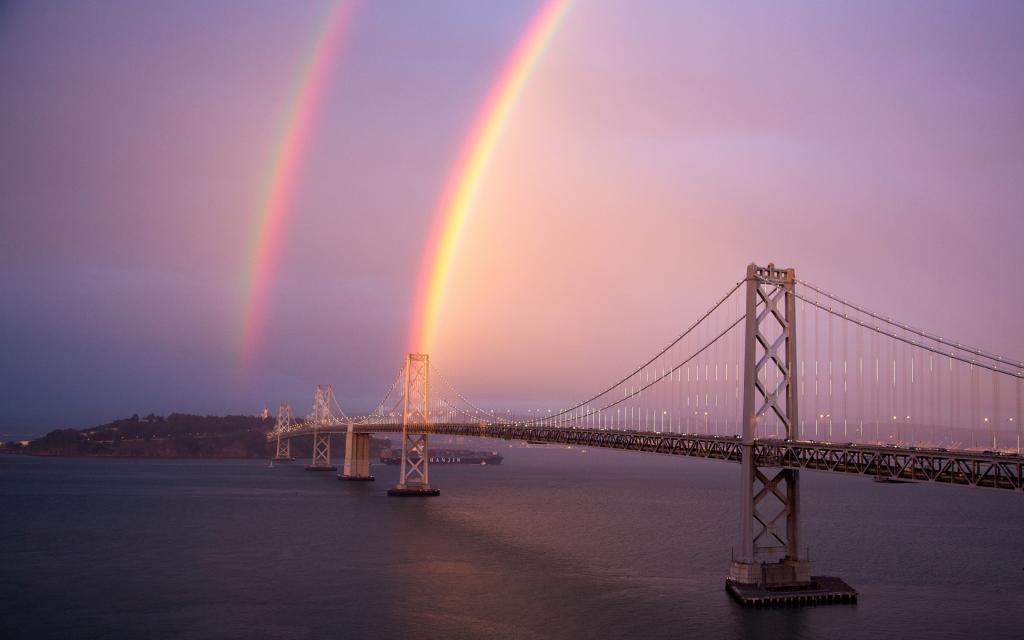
x,y
178,435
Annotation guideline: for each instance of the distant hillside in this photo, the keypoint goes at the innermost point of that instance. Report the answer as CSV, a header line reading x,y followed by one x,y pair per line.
x,y
178,435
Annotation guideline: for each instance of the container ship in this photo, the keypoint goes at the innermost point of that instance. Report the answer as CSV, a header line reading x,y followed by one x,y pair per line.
x,y
447,456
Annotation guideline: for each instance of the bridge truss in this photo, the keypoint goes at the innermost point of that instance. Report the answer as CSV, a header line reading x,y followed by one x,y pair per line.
x,y
779,375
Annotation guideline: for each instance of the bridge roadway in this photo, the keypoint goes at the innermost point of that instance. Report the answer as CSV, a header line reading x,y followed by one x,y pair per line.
x,y
965,468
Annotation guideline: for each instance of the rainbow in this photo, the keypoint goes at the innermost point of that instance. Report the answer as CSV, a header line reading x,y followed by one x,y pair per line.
x,y
277,190
457,199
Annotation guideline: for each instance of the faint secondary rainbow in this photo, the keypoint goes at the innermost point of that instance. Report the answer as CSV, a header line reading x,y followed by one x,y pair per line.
x,y
457,199
279,186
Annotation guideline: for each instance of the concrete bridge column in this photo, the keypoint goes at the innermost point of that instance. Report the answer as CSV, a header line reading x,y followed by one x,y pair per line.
x,y
357,456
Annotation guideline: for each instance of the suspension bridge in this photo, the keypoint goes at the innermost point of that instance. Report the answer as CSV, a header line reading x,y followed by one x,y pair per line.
x,y
779,375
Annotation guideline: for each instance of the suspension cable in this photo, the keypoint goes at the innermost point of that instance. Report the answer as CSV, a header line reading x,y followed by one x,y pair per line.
x,y
463,398
383,402
893,335
665,374
920,332
337,406
644,365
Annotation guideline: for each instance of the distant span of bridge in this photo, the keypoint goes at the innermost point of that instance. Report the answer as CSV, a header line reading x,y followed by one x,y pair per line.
x,y
779,375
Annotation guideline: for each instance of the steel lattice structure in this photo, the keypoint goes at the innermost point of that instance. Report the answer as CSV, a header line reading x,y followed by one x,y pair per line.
x,y
906,404
282,426
956,468
414,474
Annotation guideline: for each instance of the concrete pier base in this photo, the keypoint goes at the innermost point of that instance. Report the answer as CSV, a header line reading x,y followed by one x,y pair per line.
x,y
320,467
787,572
819,590
409,490
785,582
342,476
357,457
283,458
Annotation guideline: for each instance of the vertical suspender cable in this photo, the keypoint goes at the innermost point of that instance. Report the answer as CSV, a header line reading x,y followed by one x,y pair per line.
x,y
860,381
878,388
820,393
995,409
802,350
829,409
846,389
975,406
1019,383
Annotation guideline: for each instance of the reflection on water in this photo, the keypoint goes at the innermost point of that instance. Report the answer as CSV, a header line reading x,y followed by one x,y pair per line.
x,y
550,544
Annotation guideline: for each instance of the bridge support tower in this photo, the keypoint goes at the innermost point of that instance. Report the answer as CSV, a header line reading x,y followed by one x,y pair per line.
x,y
322,401
357,456
414,474
284,445
284,450
769,553
321,453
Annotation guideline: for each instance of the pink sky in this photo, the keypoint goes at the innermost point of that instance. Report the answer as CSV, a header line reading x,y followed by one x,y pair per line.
x,y
657,150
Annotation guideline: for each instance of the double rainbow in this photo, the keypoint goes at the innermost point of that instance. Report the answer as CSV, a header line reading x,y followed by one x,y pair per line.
x,y
457,199
265,244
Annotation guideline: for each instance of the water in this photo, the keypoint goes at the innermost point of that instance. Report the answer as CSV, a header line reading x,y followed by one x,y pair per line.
x,y
551,544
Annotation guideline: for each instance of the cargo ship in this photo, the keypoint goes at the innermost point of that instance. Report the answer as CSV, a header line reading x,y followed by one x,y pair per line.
x,y
447,456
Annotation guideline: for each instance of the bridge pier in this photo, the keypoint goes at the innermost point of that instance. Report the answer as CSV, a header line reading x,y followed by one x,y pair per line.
x,y
414,474
284,445
771,557
284,450
357,456
321,453
769,554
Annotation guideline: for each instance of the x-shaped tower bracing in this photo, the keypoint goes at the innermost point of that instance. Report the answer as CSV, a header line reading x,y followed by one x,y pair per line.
x,y
323,400
769,532
414,476
284,422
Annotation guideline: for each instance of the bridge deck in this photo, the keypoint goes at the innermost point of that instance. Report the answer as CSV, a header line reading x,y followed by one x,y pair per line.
x,y
965,468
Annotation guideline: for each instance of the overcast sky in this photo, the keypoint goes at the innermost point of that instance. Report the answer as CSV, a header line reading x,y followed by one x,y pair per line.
x,y
659,147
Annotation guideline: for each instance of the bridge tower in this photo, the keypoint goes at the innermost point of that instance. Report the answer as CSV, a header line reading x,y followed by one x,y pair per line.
x,y
769,553
357,456
414,477
323,398
284,447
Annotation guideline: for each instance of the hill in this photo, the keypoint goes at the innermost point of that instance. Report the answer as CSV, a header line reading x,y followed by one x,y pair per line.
x,y
177,435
